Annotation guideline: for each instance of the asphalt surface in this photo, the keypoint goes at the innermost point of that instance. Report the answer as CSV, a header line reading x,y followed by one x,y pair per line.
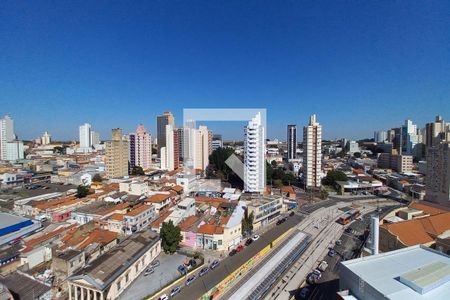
x,y
229,264
350,248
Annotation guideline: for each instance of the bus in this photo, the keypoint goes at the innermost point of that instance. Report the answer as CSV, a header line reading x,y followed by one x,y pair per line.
x,y
349,216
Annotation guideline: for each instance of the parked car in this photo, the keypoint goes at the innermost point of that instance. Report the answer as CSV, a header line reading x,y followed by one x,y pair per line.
x,y
332,253
256,237
304,293
191,279
214,264
203,271
175,291
323,266
248,242
149,271
154,263
239,248
338,242
192,263
348,230
232,252
163,297
182,269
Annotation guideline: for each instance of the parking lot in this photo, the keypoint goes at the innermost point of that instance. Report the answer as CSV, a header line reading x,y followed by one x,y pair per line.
x,y
164,274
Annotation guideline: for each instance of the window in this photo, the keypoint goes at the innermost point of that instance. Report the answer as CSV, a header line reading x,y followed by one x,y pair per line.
x,y
219,242
127,277
118,285
137,267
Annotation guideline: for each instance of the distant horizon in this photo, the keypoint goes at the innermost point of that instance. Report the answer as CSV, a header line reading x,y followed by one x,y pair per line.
x,y
361,66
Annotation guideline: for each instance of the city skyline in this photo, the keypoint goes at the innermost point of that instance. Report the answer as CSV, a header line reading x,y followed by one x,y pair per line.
x,y
350,63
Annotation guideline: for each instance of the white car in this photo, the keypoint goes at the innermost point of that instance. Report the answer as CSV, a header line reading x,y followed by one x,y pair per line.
x,y
163,297
255,237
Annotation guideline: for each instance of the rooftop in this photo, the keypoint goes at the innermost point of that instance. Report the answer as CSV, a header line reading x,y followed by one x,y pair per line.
x,y
389,272
105,269
24,287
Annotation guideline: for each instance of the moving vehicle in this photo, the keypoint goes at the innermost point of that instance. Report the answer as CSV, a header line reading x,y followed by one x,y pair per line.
x,y
256,237
154,263
191,279
175,291
203,271
149,271
291,214
248,242
214,264
349,216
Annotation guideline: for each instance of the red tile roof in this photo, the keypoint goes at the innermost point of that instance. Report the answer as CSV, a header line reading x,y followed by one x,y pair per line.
x,y
158,198
210,229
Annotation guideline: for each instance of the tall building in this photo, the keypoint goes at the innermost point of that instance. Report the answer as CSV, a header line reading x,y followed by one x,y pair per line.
x,y
165,119
437,180
117,155
409,138
312,149
95,138
216,142
85,136
291,141
254,152
198,146
6,135
435,132
170,156
14,150
380,136
140,148
180,136
438,174
46,138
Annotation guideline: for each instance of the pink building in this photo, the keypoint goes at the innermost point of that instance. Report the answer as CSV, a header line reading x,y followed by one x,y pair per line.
x,y
141,148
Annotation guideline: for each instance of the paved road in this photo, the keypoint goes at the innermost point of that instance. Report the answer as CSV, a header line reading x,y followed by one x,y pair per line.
x,y
328,285
229,264
165,273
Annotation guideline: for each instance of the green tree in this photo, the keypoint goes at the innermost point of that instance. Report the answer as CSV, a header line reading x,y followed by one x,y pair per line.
x,y
323,194
170,237
247,223
59,150
137,170
83,191
333,176
97,178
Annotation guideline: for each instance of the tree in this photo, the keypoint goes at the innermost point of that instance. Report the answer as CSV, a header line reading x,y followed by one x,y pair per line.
x,y
83,191
247,223
59,150
333,176
97,178
357,154
170,237
323,194
137,170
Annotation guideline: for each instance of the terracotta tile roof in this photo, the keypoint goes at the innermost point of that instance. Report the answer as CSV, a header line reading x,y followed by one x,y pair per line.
x,y
174,172
139,210
116,217
188,222
177,188
29,244
420,231
120,206
161,219
99,236
210,229
210,199
224,220
427,208
55,203
287,189
158,198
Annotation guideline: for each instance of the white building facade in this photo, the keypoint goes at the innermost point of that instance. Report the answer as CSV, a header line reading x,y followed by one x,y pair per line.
x,y
254,151
85,136
312,147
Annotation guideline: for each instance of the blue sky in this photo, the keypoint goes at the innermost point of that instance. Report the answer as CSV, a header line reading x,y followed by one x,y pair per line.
x,y
359,65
